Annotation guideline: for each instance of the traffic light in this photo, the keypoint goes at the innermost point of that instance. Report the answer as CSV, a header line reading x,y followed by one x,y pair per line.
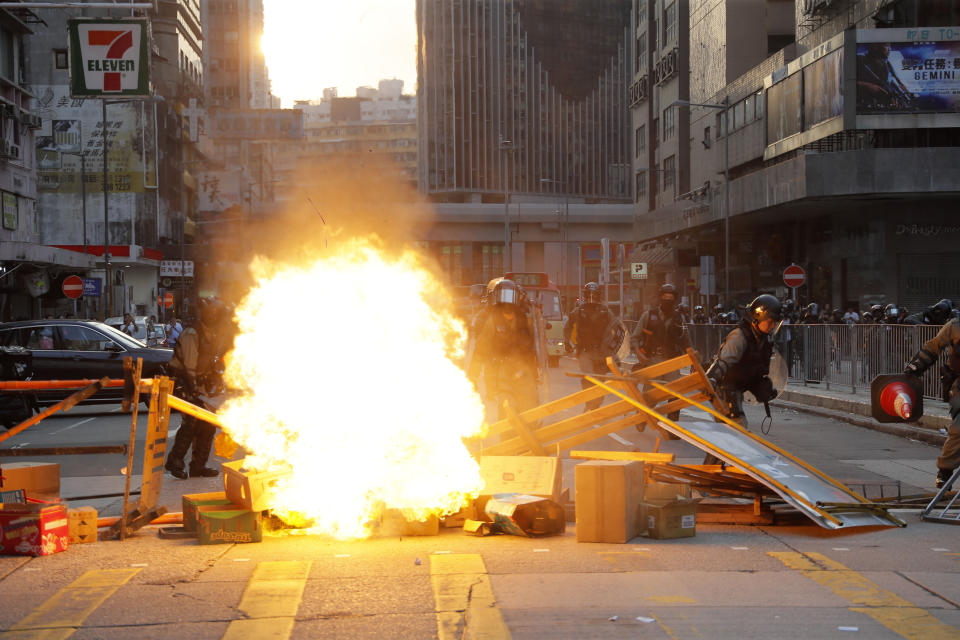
x,y
896,398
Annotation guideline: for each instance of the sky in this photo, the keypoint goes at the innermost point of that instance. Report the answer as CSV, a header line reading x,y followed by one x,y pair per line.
x,y
313,44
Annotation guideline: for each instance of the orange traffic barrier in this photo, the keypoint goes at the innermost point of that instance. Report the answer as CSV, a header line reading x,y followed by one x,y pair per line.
x,y
175,517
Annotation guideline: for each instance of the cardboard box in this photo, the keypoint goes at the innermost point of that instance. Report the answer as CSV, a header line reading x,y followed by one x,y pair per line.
x,y
82,523
33,529
228,524
193,500
654,491
609,499
458,519
249,489
668,519
39,480
523,515
530,475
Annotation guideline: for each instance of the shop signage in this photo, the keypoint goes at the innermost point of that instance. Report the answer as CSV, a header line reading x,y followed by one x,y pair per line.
x,y
109,58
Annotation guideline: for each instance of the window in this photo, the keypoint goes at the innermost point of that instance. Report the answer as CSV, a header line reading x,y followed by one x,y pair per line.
x,y
670,24
669,122
60,58
641,11
641,142
758,103
707,142
669,174
721,130
7,47
656,131
642,51
748,109
641,185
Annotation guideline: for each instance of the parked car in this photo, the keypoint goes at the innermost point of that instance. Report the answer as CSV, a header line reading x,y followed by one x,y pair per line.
x,y
152,335
78,349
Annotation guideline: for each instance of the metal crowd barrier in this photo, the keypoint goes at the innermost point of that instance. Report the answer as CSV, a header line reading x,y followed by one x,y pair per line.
x,y
838,356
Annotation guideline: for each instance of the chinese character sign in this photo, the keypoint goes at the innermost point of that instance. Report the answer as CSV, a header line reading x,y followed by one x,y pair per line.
x,y
219,190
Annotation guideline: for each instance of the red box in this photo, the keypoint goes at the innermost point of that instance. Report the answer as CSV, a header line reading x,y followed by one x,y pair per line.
x,y
33,529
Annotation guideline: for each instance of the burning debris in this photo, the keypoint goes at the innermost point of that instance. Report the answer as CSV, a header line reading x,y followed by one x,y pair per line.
x,y
345,364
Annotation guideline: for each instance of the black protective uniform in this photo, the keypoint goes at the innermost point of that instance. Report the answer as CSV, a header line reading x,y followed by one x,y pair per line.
x,y
194,360
591,331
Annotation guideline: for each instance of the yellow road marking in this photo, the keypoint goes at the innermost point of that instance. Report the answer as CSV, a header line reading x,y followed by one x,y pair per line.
x,y
270,601
465,605
66,610
887,608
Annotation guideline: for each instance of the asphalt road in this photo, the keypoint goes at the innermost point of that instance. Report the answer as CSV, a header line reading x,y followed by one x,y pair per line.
x,y
727,582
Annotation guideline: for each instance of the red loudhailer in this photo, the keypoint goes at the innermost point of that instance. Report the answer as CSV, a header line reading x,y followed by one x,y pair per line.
x,y
896,398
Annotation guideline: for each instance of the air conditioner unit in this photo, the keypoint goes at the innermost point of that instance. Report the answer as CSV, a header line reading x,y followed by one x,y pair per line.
x,y
33,121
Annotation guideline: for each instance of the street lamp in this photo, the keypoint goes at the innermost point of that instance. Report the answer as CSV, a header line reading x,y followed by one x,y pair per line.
x,y
725,107
506,145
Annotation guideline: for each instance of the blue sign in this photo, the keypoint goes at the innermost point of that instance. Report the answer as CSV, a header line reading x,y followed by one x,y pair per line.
x,y
91,287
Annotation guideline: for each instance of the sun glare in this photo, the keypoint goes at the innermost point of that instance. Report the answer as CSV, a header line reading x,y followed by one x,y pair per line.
x,y
313,45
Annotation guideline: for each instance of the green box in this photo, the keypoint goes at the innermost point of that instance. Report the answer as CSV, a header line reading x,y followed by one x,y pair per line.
x,y
193,500
228,525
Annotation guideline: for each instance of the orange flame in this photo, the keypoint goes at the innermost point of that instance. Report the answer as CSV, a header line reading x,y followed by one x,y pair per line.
x,y
345,365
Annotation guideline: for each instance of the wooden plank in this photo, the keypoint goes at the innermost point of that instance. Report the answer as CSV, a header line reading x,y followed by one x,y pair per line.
x,y
548,433
538,413
134,372
640,456
523,431
718,404
598,432
660,369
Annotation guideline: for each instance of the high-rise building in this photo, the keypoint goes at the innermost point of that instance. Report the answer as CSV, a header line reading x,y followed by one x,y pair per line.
x,y
839,149
523,104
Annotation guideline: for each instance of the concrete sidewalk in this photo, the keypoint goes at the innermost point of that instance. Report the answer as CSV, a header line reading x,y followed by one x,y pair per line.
x,y
854,408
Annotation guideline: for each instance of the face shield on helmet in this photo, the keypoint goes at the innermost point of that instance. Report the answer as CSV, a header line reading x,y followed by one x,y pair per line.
x,y
506,292
591,293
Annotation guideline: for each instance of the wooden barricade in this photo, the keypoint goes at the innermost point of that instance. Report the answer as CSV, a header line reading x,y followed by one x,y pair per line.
x,y
549,429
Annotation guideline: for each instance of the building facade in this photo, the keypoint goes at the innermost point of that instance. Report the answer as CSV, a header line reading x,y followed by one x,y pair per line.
x,y
833,165
523,104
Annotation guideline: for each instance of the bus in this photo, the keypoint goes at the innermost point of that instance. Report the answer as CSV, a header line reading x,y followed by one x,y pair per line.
x,y
547,295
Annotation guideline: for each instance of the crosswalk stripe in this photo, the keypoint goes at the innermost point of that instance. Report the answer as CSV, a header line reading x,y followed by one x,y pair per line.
x,y
270,601
66,610
463,595
897,614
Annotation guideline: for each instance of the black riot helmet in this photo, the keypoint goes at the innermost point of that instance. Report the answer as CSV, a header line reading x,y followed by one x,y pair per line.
x,y
876,311
765,307
591,293
668,297
788,305
211,311
891,313
507,292
940,312
718,308
811,310
698,309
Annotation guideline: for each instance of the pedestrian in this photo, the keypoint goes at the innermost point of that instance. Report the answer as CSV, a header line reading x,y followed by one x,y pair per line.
x,y
947,338
743,362
851,316
504,348
129,327
173,330
194,357
594,333
660,334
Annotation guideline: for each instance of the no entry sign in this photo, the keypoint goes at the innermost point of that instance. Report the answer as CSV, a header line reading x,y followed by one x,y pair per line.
x,y
794,276
72,287
165,300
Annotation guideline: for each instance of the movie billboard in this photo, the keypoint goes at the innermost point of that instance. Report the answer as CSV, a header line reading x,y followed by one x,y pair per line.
x,y
907,77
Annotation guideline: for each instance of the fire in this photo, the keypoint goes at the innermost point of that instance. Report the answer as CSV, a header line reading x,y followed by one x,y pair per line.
x,y
345,364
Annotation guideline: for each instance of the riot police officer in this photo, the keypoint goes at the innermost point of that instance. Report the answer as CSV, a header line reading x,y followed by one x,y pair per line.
x,y
718,315
194,356
504,347
660,334
937,314
811,314
699,315
594,333
947,338
743,363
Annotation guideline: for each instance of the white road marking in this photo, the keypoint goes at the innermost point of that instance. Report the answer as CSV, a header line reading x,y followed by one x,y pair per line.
x,y
341,555
75,424
541,550
939,549
241,559
740,548
115,410
18,446
841,548
620,439
140,564
441,552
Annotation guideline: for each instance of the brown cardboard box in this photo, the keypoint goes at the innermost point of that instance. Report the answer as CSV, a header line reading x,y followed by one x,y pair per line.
x,y
82,523
655,491
530,475
609,494
671,519
39,480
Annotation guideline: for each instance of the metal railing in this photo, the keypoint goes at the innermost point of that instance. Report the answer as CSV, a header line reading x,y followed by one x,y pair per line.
x,y
838,356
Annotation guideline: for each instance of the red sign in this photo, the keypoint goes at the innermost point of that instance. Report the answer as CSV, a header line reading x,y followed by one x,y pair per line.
x,y
166,301
72,287
794,276
691,284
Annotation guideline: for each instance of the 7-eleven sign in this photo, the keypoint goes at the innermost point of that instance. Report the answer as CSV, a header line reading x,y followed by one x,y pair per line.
x,y
109,58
